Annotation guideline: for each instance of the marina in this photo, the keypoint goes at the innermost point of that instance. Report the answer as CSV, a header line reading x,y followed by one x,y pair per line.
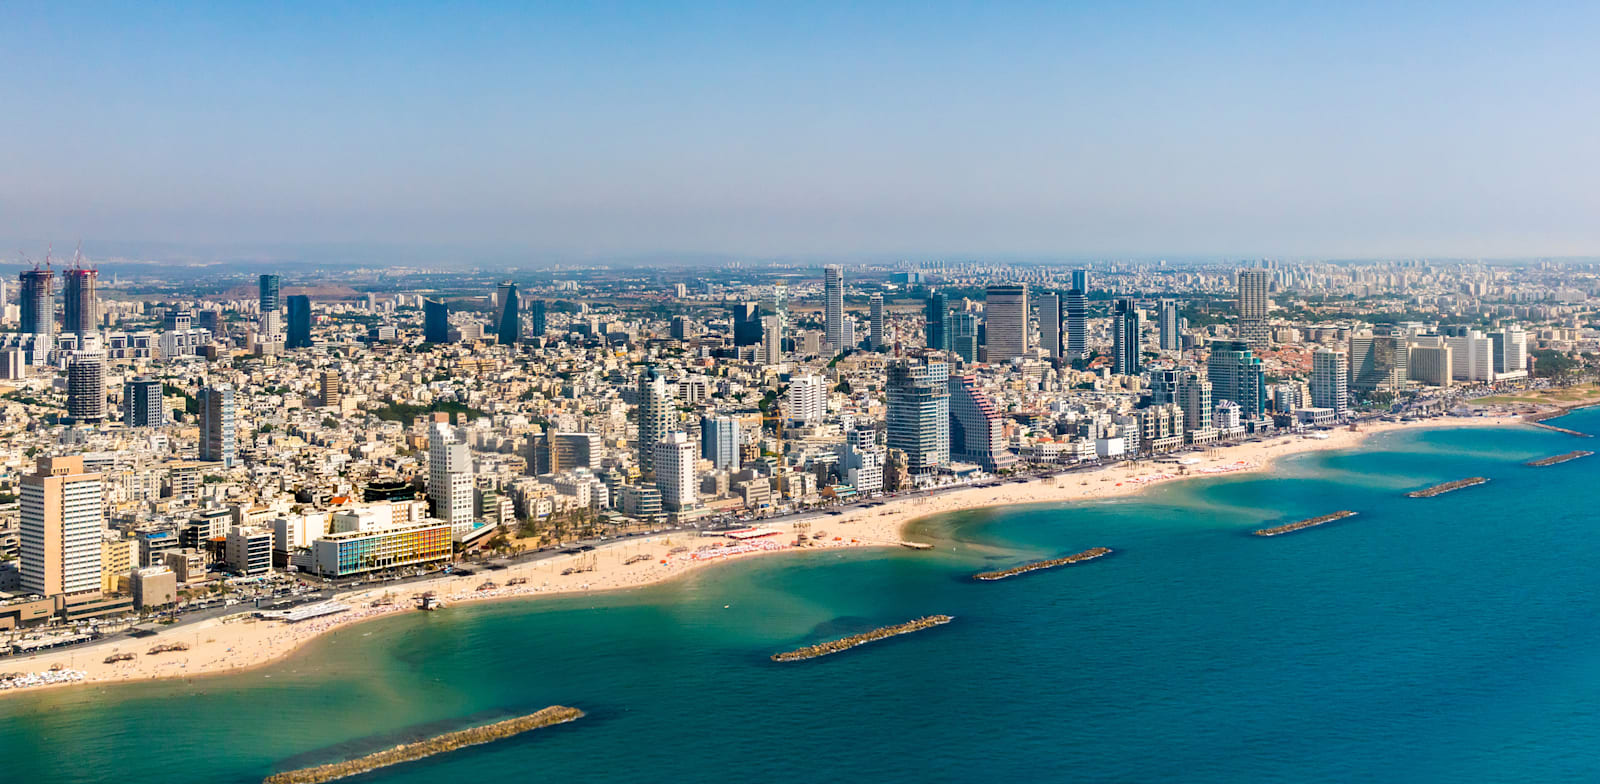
x,y
1447,487
1557,459
1303,524
846,643
407,752
1087,555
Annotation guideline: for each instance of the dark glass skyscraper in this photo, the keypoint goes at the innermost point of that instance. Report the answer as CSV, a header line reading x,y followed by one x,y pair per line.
x,y
270,301
435,321
1077,324
1125,338
938,318
509,325
80,303
299,322
141,403
1236,375
747,324
37,299
536,313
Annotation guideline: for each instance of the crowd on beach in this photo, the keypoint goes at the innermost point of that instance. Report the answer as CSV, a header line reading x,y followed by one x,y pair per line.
x,y
23,680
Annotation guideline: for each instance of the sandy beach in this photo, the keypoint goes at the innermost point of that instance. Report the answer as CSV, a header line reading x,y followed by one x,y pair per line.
x,y
238,642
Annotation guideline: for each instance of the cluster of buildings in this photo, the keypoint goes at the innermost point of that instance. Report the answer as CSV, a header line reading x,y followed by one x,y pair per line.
x,y
155,449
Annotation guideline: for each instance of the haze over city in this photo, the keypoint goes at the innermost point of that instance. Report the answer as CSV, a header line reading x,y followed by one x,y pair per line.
x,y
924,130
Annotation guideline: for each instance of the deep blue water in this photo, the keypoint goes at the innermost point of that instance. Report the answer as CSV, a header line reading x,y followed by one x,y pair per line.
x,y
1448,639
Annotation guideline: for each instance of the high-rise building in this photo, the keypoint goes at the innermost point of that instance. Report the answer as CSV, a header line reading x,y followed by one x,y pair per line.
x,y
719,442
1330,386
1077,323
976,432
1379,361
772,340
918,415
875,323
1050,324
833,307
508,325
141,403
747,324
1005,316
674,473
86,386
450,481
1125,358
1473,356
655,415
1236,374
938,322
1510,351
1253,307
435,321
1167,321
267,291
63,521
808,398
1080,280
1430,361
299,322
80,302
537,315
36,300
217,443
963,331
330,392
1194,397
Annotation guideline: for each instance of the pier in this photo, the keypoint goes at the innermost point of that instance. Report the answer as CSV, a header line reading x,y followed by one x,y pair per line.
x,y
846,643
1087,555
1303,524
1471,481
1550,461
407,752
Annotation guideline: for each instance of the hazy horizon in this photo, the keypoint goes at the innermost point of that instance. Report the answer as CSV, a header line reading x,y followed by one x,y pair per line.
x,y
937,130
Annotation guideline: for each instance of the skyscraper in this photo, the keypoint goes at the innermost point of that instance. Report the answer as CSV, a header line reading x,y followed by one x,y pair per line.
x,y
747,324
963,331
976,433
508,326
833,307
918,415
216,425
331,391
80,302
808,398
450,482
1050,324
875,324
1167,321
674,472
1080,280
86,386
1125,359
938,321
435,321
1005,315
267,288
1510,350
1380,360
536,312
719,442
1077,324
655,415
772,340
1194,396
1330,382
1253,307
36,300
299,322
1236,375
141,403
63,521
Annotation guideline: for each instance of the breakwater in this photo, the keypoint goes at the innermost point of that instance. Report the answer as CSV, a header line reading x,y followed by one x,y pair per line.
x,y
1087,555
407,752
846,643
1441,489
1550,461
1306,523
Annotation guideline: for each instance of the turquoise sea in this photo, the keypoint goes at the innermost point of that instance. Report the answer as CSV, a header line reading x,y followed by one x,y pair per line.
x,y
1449,639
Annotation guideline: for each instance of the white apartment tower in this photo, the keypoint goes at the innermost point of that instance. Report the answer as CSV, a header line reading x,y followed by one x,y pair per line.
x,y
450,483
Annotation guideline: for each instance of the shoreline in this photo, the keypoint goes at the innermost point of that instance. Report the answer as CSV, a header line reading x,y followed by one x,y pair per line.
x,y
238,643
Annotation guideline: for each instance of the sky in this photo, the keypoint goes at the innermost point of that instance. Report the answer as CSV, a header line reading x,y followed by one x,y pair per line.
x,y
929,129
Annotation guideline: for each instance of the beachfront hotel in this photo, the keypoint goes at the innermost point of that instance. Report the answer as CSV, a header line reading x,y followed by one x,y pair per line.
x,y
354,552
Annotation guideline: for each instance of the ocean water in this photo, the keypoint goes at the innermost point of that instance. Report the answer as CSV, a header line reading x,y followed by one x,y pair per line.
x,y
1449,639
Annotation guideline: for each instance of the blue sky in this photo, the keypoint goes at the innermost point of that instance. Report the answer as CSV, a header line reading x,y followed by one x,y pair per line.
x,y
922,129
